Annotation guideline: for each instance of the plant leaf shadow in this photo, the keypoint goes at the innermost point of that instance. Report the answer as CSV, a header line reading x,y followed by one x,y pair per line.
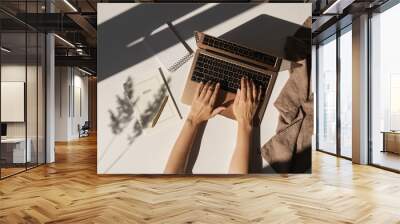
x,y
123,116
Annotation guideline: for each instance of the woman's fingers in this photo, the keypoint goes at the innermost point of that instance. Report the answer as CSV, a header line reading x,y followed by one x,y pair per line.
x,y
204,90
255,90
214,95
209,93
243,89
199,89
237,97
250,90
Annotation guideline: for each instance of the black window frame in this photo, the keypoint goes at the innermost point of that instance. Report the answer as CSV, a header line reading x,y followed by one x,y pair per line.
x,y
336,35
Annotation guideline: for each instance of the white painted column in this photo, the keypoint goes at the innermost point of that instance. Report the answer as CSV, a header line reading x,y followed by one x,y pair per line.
x,y
360,90
50,93
50,99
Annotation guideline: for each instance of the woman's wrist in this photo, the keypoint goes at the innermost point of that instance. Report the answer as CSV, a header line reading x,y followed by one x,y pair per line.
x,y
245,125
192,120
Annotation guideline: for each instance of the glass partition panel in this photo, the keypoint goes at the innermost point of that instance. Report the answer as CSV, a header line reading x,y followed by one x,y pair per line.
x,y
31,100
385,89
346,92
327,96
23,89
14,153
41,98
41,89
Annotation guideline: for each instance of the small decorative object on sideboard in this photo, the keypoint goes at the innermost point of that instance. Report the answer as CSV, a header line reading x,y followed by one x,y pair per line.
x,y
391,141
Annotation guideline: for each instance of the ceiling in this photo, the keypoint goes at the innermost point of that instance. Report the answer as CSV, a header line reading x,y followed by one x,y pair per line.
x,y
76,22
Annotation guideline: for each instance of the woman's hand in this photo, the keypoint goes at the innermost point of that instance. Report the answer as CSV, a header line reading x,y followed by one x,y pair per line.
x,y
246,102
203,103
244,109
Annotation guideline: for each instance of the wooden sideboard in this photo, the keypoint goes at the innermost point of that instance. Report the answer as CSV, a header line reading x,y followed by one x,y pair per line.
x,y
391,141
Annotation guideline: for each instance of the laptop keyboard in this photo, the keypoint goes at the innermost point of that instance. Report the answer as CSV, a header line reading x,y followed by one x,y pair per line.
x,y
227,74
239,50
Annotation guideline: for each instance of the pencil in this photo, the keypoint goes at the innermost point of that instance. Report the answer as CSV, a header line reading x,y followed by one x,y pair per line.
x,y
160,109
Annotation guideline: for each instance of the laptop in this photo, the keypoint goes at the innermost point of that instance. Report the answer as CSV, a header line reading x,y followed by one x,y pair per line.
x,y
222,61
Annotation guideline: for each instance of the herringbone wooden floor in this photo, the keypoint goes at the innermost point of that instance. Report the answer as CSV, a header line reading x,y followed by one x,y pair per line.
x,y
69,191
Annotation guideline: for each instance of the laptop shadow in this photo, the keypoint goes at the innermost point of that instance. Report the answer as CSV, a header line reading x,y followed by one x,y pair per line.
x,y
274,36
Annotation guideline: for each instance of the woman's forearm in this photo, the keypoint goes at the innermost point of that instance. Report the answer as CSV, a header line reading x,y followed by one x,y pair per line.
x,y
202,109
178,157
240,159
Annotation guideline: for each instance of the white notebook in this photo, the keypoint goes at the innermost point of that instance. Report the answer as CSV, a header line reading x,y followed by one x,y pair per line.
x,y
168,48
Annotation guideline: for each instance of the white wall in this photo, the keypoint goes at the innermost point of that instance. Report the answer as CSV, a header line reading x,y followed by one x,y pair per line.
x,y
80,118
69,82
12,73
61,103
33,126
16,73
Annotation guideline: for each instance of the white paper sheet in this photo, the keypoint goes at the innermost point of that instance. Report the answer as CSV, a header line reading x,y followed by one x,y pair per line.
x,y
150,93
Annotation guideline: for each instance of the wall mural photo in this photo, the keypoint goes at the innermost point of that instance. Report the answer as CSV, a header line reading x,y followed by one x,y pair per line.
x,y
204,88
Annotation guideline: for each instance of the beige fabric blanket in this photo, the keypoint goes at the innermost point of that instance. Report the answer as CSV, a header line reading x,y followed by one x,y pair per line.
x,y
289,151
